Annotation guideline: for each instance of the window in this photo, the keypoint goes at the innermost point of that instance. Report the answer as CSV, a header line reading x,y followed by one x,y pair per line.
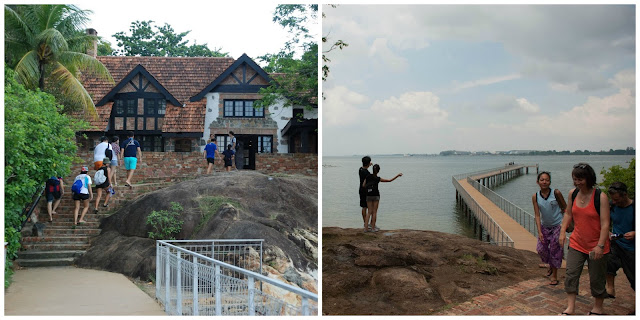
x,y
222,141
138,114
152,143
183,145
242,109
264,144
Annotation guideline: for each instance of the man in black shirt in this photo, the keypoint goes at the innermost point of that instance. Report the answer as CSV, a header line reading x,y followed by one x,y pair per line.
x,y
363,172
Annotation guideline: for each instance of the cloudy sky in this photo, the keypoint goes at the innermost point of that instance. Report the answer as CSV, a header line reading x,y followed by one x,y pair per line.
x,y
234,26
428,78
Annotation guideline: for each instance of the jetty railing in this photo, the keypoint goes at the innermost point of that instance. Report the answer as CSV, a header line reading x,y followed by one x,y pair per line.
x,y
191,281
497,235
518,214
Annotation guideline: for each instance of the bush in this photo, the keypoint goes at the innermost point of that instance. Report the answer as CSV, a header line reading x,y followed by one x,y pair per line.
x,y
165,223
624,175
39,143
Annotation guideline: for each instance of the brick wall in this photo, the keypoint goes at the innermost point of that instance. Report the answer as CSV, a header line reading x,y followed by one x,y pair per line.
x,y
188,164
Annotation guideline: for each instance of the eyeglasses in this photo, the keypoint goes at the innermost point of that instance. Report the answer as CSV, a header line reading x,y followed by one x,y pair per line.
x,y
580,165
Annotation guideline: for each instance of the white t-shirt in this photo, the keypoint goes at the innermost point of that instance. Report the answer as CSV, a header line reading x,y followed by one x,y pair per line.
x,y
85,186
99,151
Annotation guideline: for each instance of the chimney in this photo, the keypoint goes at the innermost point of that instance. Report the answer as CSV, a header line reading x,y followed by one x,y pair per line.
x,y
93,49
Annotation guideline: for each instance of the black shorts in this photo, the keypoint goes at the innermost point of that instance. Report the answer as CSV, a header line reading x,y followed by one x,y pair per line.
x,y
104,185
53,195
228,163
80,196
363,198
211,160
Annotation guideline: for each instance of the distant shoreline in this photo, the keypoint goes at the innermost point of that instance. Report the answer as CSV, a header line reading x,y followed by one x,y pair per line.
x,y
537,153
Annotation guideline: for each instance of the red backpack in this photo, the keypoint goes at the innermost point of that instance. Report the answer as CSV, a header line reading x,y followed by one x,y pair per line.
x,y
53,185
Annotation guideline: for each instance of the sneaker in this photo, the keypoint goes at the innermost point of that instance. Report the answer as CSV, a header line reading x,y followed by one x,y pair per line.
x,y
376,229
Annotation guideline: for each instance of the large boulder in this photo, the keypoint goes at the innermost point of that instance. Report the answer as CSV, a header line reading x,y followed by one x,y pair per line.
x,y
235,205
409,272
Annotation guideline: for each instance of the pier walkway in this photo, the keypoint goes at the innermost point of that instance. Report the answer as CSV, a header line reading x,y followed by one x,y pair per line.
x,y
500,227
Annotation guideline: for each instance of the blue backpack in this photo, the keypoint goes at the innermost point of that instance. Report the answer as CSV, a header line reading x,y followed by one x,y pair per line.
x,y
77,186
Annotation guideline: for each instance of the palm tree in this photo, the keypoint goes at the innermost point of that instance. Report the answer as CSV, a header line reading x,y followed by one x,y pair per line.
x,y
44,44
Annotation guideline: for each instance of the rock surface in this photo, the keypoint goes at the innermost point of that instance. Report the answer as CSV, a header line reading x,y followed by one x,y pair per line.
x,y
408,272
281,210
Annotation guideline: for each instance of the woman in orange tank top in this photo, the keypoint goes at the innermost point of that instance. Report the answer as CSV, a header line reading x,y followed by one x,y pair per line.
x,y
589,240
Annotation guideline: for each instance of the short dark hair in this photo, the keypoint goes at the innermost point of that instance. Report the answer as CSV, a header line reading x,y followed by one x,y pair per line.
x,y
129,134
229,147
115,138
104,138
366,160
584,171
618,188
231,132
544,172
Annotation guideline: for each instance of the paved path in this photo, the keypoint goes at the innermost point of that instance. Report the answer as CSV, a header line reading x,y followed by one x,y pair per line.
x,y
58,291
536,297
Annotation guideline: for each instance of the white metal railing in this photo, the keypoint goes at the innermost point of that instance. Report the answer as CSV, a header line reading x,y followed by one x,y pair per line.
x,y
497,235
518,214
215,277
481,172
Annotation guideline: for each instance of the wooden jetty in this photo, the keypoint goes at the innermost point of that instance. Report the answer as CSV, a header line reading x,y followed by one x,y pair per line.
x,y
500,228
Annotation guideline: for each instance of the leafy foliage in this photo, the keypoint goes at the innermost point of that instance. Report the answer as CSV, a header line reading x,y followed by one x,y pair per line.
x,y
45,44
39,144
165,223
296,78
624,175
147,39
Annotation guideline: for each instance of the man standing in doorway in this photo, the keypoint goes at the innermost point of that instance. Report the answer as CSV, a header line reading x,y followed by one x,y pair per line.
x,y
131,149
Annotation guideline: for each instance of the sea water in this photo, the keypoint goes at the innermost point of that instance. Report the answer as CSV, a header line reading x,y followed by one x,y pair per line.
x,y
424,197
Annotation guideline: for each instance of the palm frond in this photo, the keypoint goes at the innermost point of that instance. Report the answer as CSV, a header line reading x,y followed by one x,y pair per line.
x,y
53,43
85,63
28,71
71,88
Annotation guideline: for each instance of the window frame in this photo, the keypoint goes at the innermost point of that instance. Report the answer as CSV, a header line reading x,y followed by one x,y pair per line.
x,y
238,108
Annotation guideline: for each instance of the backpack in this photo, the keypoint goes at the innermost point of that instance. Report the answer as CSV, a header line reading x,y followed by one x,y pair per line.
x,y
100,177
53,185
109,152
77,186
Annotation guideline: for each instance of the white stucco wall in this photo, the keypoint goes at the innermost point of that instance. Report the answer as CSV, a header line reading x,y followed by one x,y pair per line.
x,y
281,116
213,103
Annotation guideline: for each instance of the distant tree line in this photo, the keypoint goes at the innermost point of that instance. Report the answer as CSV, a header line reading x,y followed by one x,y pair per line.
x,y
627,151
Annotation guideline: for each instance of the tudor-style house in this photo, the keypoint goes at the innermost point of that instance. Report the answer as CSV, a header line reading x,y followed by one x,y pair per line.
x,y
175,104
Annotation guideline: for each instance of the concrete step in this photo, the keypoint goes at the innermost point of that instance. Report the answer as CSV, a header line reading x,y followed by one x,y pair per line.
x,y
55,246
69,231
35,263
56,239
34,254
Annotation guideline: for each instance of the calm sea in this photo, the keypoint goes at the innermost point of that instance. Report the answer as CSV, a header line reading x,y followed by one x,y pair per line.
x,y
424,198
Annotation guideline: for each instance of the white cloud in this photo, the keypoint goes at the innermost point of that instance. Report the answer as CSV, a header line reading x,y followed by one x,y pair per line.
x,y
341,106
384,58
486,81
625,79
527,106
412,108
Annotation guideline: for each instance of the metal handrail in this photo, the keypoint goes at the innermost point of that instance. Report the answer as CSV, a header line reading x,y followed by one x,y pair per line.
x,y
484,218
250,278
518,214
32,205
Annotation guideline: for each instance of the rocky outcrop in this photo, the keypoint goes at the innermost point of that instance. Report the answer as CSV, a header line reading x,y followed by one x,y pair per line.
x,y
235,205
408,272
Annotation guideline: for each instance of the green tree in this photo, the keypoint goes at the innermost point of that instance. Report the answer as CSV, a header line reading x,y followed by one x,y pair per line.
x,y
624,175
44,44
105,49
297,78
165,223
147,39
39,144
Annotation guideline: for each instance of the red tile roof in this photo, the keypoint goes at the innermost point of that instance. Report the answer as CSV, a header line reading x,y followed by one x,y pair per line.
x,y
183,77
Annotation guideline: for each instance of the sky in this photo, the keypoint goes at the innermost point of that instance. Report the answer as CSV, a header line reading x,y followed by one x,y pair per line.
x,y
427,78
233,26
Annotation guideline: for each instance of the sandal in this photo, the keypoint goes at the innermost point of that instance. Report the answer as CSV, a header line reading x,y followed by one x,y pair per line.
x,y
549,272
591,313
565,314
554,283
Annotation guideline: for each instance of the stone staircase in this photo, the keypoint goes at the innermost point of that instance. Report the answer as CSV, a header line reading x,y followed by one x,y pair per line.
x,y
62,242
